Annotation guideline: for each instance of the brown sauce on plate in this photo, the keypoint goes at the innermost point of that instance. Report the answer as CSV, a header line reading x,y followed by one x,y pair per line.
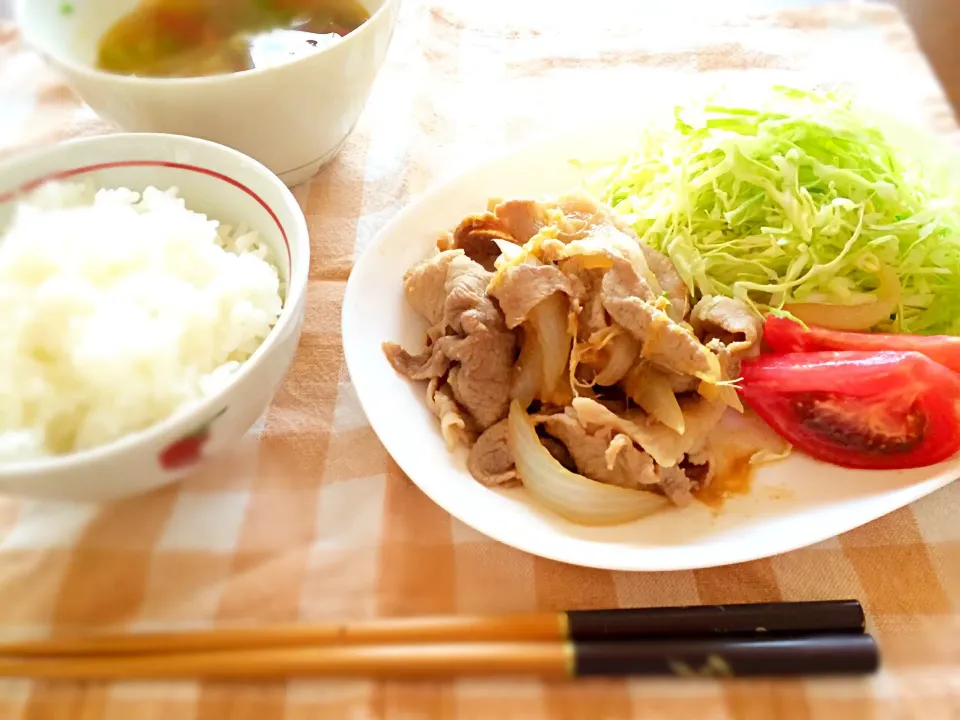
x,y
738,447
732,478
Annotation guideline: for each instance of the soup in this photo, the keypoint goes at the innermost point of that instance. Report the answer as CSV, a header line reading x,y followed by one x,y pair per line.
x,y
193,38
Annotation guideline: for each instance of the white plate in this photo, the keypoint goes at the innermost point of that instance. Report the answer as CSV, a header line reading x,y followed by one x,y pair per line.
x,y
792,504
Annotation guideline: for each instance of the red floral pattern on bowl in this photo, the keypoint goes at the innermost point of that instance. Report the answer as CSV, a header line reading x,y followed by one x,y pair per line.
x,y
187,450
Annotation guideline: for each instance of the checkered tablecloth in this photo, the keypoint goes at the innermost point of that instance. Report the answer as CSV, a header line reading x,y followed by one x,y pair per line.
x,y
309,519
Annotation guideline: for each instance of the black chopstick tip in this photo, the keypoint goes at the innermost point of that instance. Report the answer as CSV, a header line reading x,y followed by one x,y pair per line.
x,y
730,657
825,616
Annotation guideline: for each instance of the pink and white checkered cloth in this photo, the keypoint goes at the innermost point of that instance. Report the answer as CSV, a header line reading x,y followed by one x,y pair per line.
x,y
309,519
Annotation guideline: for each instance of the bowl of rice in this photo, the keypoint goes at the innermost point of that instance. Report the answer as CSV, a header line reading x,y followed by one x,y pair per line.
x,y
152,289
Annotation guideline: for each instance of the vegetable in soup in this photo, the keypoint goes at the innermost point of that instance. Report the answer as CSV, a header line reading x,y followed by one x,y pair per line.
x,y
192,38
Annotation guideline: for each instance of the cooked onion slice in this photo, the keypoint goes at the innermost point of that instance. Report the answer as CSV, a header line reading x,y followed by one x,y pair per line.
x,y
549,320
721,392
622,351
573,496
649,388
853,317
509,253
609,353
529,370
605,243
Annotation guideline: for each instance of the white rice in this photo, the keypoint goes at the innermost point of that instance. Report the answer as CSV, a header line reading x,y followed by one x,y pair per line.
x,y
116,311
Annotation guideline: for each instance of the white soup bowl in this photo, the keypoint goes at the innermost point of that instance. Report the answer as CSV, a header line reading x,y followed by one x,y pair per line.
x,y
292,117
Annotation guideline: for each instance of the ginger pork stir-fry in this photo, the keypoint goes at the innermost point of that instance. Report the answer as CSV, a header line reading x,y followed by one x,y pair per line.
x,y
569,356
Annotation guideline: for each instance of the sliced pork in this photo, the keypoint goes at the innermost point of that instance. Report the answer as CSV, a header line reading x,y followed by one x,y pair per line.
x,y
591,317
431,363
638,469
475,235
481,379
616,461
522,218
676,485
453,424
730,329
424,285
667,447
631,303
591,331
522,287
490,461
729,320
467,308
474,353
591,215
671,282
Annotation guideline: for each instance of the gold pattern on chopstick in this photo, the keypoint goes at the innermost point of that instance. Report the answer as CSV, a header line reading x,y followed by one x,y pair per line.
x,y
715,666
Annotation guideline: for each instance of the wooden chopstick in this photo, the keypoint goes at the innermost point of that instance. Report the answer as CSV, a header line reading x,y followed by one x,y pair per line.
x,y
720,656
832,616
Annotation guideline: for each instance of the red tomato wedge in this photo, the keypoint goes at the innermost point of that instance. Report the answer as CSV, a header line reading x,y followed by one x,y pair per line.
x,y
784,336
872,410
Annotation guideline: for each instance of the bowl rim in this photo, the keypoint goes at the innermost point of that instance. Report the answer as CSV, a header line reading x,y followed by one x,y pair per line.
x,y
201,409
56,54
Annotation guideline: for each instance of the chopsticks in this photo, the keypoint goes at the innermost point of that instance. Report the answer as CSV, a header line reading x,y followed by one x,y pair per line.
x,y
721,640
828,616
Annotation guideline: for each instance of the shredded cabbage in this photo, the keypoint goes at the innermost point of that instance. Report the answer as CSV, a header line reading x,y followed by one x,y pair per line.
x,y
794,200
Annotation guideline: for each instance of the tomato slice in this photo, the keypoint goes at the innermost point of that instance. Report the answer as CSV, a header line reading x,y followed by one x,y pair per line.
x,y
783,335
873,410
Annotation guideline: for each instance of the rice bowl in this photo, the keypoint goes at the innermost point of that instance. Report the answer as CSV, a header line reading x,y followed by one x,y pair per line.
x,y
109,288
172,365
